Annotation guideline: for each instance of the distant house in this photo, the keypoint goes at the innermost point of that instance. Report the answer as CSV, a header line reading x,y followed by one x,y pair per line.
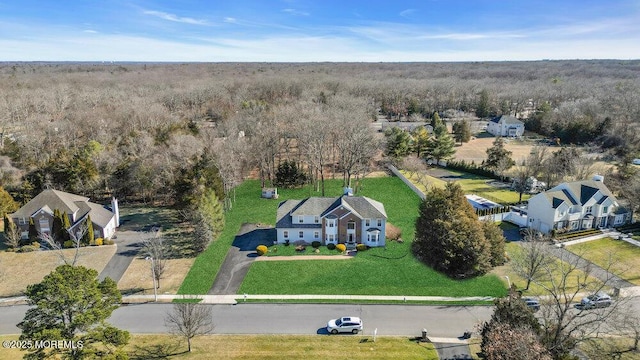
x,y
348,220
77,208
505,125
576,205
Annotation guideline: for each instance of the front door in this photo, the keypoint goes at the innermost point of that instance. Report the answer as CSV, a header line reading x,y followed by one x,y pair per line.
x,y
350,238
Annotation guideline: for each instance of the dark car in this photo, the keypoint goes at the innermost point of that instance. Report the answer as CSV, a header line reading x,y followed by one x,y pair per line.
x,y
532,303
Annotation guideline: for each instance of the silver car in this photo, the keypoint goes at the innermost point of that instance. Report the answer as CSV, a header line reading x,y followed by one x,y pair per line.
x,y
598,300
348,324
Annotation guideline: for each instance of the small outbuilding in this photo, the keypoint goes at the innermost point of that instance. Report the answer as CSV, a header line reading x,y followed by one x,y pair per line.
x,y
270,193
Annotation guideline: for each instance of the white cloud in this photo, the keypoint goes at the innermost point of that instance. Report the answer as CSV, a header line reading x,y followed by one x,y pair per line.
x,y
406,13
230,20
295,12
175,18
90,31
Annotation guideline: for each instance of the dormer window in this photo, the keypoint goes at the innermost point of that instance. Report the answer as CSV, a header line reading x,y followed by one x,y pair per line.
x,y
588,210
316,219
300,219
605,209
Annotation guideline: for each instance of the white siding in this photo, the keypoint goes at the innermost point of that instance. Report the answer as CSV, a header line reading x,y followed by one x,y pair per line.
x,y
294,235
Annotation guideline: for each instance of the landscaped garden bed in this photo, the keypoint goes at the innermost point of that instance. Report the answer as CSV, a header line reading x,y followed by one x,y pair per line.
x,y
576,234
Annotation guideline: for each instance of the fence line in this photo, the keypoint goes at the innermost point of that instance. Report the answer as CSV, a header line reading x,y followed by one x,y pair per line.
x,y
415,189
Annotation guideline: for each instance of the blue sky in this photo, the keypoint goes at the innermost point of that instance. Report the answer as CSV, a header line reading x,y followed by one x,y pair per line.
x,y
302,30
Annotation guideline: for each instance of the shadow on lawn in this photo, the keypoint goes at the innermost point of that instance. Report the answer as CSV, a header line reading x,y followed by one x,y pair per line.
x,y
159,351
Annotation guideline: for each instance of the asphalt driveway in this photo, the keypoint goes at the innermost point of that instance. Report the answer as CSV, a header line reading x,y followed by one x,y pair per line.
x,y
129,244
239,258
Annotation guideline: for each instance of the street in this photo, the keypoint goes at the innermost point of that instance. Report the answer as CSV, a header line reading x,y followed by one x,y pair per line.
x,y
405,320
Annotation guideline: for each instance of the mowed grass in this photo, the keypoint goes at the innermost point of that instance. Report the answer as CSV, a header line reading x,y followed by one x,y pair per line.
x,y
513,250
267,347
378,271
621,257
470,183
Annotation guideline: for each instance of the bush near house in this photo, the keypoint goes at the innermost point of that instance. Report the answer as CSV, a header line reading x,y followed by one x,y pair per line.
x,y
261,250
341,248
331,246
361,247
316,244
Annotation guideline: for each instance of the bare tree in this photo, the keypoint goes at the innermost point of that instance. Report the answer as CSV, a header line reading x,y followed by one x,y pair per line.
x,y
75,236
154,247
12,236
190,320
533,258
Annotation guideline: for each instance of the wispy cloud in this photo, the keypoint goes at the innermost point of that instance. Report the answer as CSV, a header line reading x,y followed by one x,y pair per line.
x,y
472,36
295,12
230,20
175,18
90,31
407,13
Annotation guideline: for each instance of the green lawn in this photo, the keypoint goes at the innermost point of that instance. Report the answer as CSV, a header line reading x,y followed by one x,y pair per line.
x,y
471,184
623,257
379,271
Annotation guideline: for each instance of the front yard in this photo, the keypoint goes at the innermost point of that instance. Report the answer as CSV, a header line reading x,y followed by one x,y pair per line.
x,y
622,257
377,271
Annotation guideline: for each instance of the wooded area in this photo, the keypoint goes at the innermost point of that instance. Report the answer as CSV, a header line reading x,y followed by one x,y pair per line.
x,y
152,131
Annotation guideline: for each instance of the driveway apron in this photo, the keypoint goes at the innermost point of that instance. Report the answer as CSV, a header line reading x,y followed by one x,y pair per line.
x,y
451,351
129,244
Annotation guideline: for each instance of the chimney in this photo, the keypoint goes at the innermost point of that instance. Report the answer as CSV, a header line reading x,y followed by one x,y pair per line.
x,y
599,178
115,210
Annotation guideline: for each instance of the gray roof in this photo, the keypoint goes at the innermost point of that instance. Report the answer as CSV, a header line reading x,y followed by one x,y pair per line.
x,y
363,207
506,119
577,192
65,202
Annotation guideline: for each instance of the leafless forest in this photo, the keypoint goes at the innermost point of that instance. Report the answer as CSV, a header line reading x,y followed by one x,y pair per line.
x,y
134,129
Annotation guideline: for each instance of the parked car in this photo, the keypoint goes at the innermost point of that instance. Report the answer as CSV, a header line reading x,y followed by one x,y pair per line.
x,y
598,300
350,324
532,303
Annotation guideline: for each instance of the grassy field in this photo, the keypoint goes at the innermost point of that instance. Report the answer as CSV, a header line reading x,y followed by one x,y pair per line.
x,y
513,249
268,347
471,184
379,271
623,257
17,270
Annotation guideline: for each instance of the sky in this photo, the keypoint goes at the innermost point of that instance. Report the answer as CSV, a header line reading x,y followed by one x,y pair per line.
x,y
314,31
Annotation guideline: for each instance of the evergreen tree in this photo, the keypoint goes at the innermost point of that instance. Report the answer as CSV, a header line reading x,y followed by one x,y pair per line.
x,y
462,131
440,146
193,180
208,214
435,120
89,235
33,232
290,175
449,236
420,137
483,107
496,240
66,225
398,142
7,204
498,156
57,229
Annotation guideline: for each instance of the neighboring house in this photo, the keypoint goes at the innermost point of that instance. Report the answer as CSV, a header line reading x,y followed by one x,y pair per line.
x,y
348,220
505,125
576,205
41,209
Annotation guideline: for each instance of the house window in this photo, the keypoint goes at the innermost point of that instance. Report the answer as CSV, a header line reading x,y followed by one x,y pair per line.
x,y
24,235
588,210
316,219
286,234
351,225
331,223
301,234
379,222
330,237
605,209
367,222
619,219
574,225
316,234
22,221
300,219
372,236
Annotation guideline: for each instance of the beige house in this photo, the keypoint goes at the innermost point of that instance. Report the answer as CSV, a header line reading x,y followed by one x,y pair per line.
x,y
345,219
78,208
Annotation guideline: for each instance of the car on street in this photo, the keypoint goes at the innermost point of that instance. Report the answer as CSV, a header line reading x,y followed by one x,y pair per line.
x,y
532,303
598,300
345,324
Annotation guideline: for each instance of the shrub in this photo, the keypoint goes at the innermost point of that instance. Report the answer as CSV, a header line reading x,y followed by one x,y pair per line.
x,y
67,244
392,232
28,248
331,246
108,242
99,241
361,247
301,248
317,251
286,242
341,248
316,244
261,250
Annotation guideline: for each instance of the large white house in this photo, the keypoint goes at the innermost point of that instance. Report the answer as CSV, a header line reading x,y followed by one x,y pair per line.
x,y
505,125
345,219
576,205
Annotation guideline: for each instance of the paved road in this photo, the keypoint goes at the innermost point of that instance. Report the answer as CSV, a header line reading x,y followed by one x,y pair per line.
x,y
404,320
129,244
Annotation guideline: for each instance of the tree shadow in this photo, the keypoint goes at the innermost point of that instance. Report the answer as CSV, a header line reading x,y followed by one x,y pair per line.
x,y
156,351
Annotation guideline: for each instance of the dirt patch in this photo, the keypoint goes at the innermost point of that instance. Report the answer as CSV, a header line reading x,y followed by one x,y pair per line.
x,y
137,278
476,149
17,270
303,257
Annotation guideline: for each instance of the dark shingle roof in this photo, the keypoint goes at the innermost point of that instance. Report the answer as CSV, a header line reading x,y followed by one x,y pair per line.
x,y
506,119
363,207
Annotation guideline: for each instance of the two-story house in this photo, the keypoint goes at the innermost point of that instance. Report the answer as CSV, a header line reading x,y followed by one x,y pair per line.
x,y
576,205
78,208
505,125
345,219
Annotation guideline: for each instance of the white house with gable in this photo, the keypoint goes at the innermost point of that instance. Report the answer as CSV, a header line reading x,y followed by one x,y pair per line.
x,y
576,205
